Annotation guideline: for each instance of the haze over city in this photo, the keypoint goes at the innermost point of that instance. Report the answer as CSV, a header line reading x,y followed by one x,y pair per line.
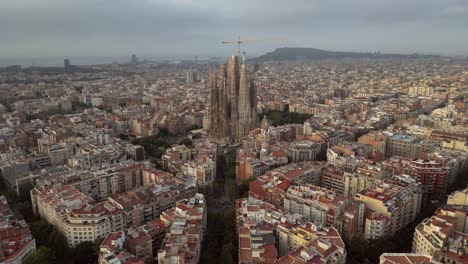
x,y
36,30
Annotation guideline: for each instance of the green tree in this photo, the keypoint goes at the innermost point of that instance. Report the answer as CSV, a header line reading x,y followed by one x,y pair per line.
x,y
232,188
217,187
187,142
41,230
205,190
47,235
58,243
97,244
278,118
43,255
244,187
85,252
163,132
25,209
358,246
213,242
226,254
229,236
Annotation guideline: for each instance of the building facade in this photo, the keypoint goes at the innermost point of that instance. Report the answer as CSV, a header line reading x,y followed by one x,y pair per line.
x,y
394,199
233,107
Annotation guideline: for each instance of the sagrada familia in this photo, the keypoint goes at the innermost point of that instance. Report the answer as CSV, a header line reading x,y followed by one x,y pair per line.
x,y
232,112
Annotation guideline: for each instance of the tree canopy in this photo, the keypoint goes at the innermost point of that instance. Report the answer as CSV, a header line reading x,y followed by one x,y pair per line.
x,y
43,255
278,118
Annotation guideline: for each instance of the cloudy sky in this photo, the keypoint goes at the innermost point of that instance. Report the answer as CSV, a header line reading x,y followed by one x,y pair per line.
x,y
196,27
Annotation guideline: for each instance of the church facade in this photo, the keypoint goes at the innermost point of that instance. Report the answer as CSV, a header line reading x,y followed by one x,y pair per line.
x,y
232,112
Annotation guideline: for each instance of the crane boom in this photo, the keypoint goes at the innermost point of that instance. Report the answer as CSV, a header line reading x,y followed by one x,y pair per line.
x,y
238,42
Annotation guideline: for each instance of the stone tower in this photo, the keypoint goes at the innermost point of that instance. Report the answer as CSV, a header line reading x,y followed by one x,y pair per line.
x,y
233,107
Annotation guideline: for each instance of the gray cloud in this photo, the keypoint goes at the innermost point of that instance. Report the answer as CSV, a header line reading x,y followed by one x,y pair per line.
x,y
188,27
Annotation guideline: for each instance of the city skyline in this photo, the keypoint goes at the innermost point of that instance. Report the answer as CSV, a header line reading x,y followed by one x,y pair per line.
x,y
156,28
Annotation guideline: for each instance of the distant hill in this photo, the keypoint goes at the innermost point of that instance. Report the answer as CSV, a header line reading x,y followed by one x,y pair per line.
x,y
292,54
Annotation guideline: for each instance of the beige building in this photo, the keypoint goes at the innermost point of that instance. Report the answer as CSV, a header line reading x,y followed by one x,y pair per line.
x,y
444,235
361,179
395,199
422,90
377,226
408,147
456,145
76,215
431,235
81,219
310,244
377,140
458,198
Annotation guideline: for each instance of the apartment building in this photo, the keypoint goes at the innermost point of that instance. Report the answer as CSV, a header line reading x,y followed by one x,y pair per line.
x,y
430,173
255,222
174,157
445,234
333,178
145,241
325,208
112,250
308,243
397,199
302,172
269,188
80,218
408,258
304,151
377,226
101,182
182,244
16,241
75,215
257,245
432,234
248,168
408,146
263,229
362,178
377,140
140,245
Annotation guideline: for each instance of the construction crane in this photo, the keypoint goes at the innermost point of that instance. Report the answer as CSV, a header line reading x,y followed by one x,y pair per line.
x,y
239,42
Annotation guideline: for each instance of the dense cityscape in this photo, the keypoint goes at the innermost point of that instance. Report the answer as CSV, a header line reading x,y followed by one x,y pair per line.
x,y
334,161
234,132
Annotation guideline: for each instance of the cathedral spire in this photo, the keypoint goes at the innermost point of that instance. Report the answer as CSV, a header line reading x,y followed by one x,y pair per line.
x,y
233,110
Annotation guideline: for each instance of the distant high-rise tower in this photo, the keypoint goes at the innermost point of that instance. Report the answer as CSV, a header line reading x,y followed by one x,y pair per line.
x,y
191,77
134,59
66,63
233,108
